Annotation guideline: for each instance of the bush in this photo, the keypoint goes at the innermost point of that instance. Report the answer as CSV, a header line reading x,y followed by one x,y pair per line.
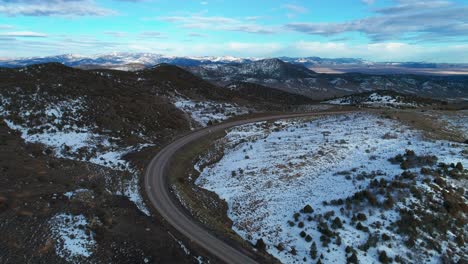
x,y
361,227
337,223
300,225
296,216
308,238
302,234
385,237
383,258
260,245
308,209
293,251
280,247
313,251
353,259
361,217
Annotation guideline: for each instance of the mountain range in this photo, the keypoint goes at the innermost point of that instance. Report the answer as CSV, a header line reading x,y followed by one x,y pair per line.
x,y
150,59
298,79
290,75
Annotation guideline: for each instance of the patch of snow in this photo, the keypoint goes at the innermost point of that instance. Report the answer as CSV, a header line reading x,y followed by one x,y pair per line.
x,y
73,242
373,100
204,112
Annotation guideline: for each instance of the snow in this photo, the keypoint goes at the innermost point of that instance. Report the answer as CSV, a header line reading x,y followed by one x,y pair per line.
x,y
270,171
205,111
71,194
69,141
457,121
72,241
374,100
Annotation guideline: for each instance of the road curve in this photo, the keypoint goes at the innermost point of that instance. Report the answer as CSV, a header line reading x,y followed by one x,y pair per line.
x,y
158,192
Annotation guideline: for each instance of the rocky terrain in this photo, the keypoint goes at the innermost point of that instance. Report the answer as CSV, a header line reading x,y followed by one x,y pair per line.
x,y
297,79
386,99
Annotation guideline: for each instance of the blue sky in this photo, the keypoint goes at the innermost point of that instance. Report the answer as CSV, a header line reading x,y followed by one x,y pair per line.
x,y
379,30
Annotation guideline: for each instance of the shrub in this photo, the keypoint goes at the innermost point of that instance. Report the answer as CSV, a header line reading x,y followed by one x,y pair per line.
x,y
353,259
308,209
361,227
293,251
313,251
260,245
361,217
300,225
459,166
296,216
323,228
325,240
303,234
338,240
337,223
385,237
388,203
383,258
308,238
280,247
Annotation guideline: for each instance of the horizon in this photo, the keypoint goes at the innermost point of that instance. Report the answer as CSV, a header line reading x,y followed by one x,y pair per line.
x,y
432,31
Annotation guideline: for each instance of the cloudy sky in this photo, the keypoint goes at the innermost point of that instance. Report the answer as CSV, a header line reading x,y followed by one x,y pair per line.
x,y
378,30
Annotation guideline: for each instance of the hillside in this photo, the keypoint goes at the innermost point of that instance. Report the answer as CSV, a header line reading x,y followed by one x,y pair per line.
x,y
347,188
297,79
383,98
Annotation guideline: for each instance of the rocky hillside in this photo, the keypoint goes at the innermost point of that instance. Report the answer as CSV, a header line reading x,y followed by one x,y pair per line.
x,y
262,94
385,99
297,79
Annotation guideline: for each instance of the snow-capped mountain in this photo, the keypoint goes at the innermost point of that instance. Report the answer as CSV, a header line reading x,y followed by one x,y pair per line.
x,y
119,59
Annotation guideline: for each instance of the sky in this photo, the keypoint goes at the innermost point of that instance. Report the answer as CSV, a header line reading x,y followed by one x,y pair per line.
x,y
376,30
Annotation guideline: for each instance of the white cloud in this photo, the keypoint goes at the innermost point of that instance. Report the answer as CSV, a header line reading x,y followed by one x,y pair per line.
x,y
295,8
25,34
219,23
52,8
415,20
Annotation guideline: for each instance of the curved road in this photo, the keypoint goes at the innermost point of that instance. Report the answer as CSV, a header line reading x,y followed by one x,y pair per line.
x,y
158,191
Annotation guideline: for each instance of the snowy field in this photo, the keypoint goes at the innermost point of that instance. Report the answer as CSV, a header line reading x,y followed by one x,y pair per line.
x,y
206,112
270,171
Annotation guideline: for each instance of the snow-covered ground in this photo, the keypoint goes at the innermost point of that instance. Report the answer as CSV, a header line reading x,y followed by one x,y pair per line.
x,y
60,134
204,112
373,100
270,171
74,239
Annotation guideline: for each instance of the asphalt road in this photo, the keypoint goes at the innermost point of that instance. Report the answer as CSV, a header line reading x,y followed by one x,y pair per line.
x,y
158,191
